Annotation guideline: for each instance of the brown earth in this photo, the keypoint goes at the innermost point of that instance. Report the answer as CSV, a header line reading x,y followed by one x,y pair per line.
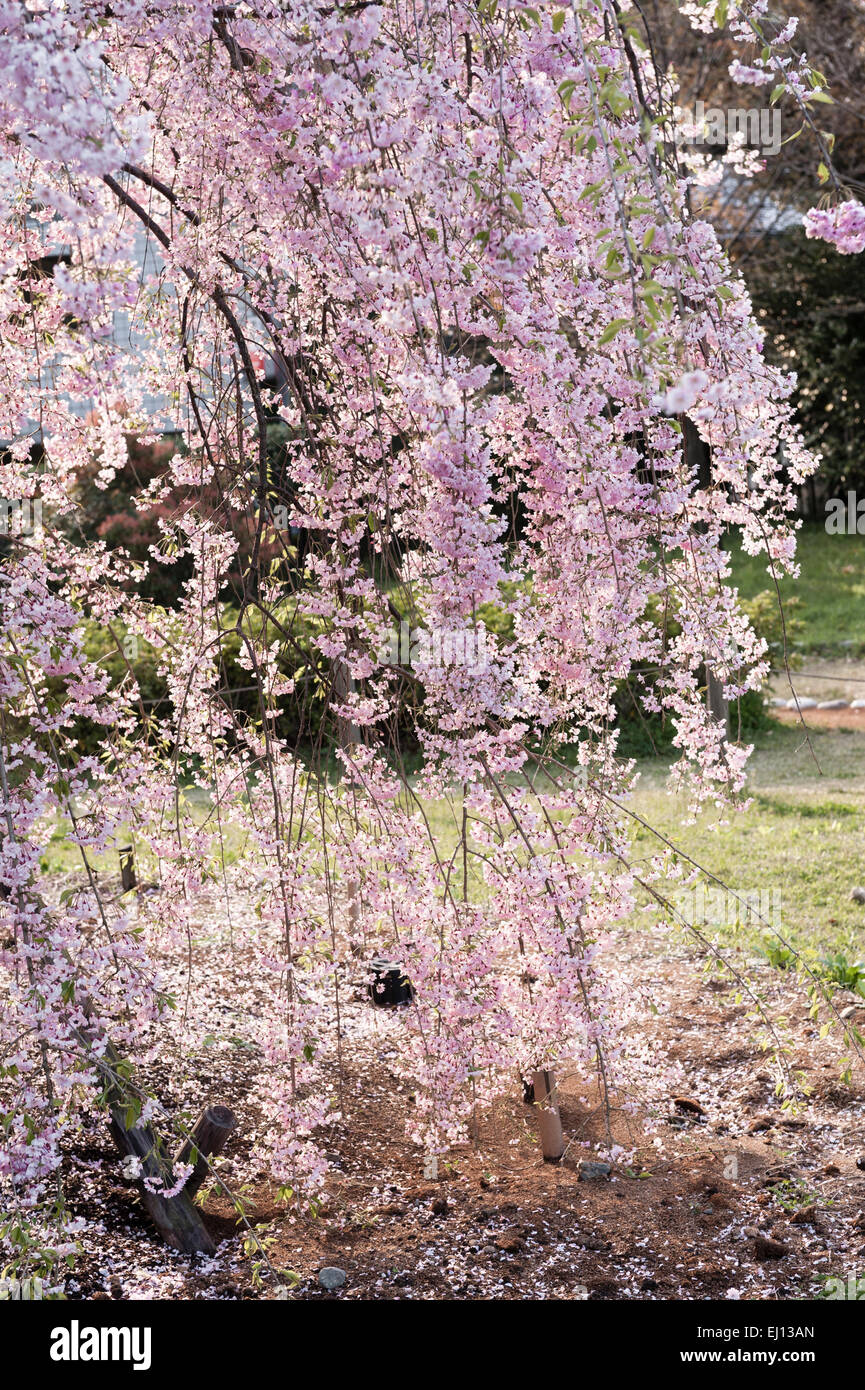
x,y
822,718
742,1199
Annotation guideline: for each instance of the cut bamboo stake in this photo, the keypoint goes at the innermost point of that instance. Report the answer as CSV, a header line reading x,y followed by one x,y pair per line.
x,y
552,1139
209,1136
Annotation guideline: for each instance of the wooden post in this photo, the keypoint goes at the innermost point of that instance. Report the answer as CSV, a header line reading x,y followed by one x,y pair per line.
x,y
128,881
552,1139
209,1136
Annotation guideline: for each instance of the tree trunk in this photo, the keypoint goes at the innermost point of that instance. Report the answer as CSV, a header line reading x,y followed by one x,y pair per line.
x,y
128,881
347,736
178,1222
717,703
699,455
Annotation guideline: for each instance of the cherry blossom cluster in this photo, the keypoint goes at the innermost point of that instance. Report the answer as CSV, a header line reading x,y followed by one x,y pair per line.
x,y
471,263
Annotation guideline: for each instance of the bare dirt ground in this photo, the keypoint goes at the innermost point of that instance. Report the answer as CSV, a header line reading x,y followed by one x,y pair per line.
x,y
743,1200
822,678
822,718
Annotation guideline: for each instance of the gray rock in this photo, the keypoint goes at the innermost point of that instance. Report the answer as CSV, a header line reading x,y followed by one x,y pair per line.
x,y
591,1171
777,702
331,1278
857,895
852,1010
804,702
832,704
857,704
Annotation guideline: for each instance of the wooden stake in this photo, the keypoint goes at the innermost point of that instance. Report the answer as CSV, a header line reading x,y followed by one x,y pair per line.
x,y
552,1139
209,1136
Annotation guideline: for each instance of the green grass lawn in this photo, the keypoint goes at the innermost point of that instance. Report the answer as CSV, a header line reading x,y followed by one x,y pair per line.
x,y
830,589
801,837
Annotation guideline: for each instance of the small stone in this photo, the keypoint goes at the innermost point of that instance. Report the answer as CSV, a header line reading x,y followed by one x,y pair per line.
x,y
777,702
765,1248
759,1123
440,1206
511,1242
803,702
860,1163
331,1278
591,1171
857,704
832,704
858,895
592,1243
851,1010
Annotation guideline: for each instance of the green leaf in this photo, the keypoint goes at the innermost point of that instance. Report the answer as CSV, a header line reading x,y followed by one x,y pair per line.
x,y
611,330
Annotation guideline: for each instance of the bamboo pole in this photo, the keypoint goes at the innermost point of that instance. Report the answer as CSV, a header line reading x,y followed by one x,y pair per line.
x,y
550,1120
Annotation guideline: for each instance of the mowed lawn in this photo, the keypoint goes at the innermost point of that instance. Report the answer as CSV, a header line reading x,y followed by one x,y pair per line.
x,y
802,837
830,590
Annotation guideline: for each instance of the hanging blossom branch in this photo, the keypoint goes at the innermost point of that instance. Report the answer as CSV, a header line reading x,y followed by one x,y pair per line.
x,y
464,242
774,62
